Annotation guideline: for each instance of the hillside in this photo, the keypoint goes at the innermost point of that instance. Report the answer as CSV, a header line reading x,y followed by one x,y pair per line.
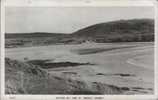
x,y
119,31
136,30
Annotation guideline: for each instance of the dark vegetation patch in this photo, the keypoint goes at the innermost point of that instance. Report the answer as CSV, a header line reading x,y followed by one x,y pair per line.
x,y
100,74
125,88
74,73
117,74
124,75
38,62
98,50
140,88
46,64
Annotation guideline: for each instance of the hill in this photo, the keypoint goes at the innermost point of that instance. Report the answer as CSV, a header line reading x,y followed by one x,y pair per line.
x,y
119,31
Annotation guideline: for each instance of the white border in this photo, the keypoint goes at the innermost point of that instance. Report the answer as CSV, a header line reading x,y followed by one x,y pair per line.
x,y
1,49
76,3
156,49
79,3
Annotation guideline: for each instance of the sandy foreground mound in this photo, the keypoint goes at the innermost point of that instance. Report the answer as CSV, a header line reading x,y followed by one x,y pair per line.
x,y
25,78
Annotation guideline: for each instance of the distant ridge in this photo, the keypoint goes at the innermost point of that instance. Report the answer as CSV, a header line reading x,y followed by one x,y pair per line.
x,y
34,34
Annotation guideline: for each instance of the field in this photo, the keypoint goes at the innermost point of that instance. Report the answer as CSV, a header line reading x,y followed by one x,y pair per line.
x,y
129,65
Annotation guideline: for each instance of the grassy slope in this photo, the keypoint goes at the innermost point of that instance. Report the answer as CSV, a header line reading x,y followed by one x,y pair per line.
x,y
24,78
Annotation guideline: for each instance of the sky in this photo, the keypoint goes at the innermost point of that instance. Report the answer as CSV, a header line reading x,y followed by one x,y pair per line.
x,y
67,19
